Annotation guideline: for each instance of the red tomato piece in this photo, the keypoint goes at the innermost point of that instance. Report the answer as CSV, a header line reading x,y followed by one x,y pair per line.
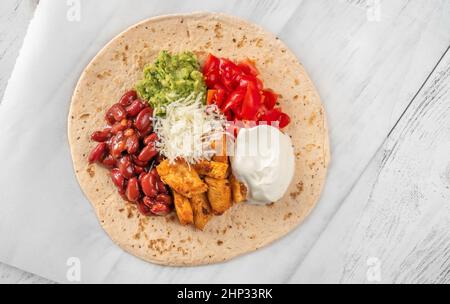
x,y
252,102
234,101
270,99
248,67
284,120
211,64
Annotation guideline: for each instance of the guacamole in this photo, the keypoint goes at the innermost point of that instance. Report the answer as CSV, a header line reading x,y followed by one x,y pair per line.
x,y
170,78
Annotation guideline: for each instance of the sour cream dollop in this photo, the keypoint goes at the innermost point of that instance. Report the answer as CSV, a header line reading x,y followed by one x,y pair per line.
x,y
264,162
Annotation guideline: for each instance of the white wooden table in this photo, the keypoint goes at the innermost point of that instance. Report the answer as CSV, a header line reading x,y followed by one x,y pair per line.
x,y
385,215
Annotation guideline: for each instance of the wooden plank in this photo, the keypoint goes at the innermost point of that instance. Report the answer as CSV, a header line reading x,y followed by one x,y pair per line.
x,y
14,18
397,219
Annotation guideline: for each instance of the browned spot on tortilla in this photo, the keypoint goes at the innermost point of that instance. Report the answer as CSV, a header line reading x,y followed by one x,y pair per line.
x,y
201,27
137,236
252,237
207,45
287,216
312,118
296,81
85,115
311,165
258,42
310,147
91,170
129,212
121,210
299,187
242,42
104,74
218,30
219,243
295,97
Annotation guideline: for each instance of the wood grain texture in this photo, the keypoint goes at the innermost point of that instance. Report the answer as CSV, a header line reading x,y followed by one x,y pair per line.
x,y
367,73
15,16
399,212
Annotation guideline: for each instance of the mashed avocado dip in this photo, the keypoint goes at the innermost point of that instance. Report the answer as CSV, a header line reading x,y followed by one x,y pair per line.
x,y
170,78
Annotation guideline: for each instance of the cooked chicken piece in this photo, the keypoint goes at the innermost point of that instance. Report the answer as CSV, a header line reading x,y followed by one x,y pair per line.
x,y
183,209
181,178
238,189
219,194
202,210
212,169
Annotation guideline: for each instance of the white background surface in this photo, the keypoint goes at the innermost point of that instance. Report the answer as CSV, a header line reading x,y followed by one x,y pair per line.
x,y
384,215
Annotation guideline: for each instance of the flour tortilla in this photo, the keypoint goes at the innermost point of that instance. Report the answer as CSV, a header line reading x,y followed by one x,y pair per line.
x,y
244,228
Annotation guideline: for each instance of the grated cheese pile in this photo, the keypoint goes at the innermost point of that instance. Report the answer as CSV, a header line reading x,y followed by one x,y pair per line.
x,y
188,129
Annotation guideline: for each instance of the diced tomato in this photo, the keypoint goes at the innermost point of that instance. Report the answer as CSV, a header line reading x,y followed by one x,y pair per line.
x,y
212,78
234,102
239,93
221,95
284,120
211,64
271,116
270,99
248,67
252,102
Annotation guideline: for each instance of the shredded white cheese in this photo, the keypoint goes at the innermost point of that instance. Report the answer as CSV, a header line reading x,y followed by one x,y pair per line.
x,y
188,129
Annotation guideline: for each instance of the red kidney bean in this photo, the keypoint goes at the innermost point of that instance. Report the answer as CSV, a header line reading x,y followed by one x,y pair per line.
x,y
109,162
164,199
143,119
101,136
159,159
160,209
128,98
148,187
132,191
119,127
136,161
127,147
143,208
117,147
147,153
138,170
146,132
132,144
98,152
126,168
118,179
141,176
135,108
150,139
118,112
109,117
161,187
155,173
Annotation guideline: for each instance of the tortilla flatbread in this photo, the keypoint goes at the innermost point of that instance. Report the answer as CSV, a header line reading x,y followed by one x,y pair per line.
x,y
244,228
